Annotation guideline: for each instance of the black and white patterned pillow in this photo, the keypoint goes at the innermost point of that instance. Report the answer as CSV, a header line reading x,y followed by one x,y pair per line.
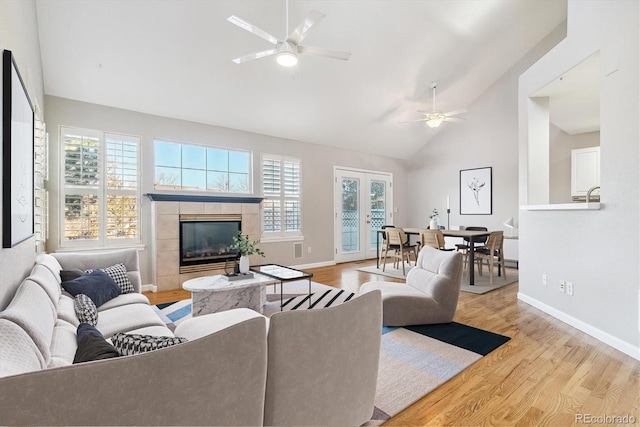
x,y
119,275
128,344
86,310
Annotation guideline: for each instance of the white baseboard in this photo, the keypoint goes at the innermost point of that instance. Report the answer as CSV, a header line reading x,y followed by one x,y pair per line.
x,y
149,288
314,265
605,337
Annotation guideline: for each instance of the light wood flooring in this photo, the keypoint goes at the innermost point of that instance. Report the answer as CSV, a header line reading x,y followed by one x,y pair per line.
x,y
548,374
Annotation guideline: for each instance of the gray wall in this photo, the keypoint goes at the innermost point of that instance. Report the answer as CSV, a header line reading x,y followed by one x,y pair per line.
x,y
317,170
598,251
19,33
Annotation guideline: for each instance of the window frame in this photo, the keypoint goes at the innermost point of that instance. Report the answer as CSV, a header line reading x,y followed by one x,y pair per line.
x,y
101,190
180,189
282,198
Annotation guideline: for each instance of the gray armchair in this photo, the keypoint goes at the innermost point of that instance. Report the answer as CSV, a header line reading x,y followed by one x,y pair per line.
x,y
430,294
323,364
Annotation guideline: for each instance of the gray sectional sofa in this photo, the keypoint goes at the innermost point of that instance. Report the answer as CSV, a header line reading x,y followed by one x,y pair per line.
x,y
219,376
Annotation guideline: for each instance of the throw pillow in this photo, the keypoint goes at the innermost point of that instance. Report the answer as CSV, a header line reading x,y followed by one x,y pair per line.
x,y
86,310
97,285
92,347
86,329
128,344
74,273
119,275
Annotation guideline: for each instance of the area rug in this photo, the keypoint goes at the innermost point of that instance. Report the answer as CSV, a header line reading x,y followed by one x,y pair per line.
x,y
414,360
481,283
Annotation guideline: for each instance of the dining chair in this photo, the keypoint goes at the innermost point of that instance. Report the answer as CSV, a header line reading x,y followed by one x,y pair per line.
x,y
464,247
493,253
433,238
398,243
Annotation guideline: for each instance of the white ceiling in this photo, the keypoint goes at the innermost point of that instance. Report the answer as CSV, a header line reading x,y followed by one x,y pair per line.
x,y
173,59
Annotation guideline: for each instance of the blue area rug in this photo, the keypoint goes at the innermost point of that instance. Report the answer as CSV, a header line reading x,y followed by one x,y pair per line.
x,y
414,360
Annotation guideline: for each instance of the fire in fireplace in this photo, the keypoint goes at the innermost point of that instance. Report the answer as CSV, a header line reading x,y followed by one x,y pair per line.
x,y
205,239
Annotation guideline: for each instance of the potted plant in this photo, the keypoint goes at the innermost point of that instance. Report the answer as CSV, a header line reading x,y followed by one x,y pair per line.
x,y
245,247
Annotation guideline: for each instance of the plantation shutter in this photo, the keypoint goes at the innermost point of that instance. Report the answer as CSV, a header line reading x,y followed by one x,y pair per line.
x,y
281,187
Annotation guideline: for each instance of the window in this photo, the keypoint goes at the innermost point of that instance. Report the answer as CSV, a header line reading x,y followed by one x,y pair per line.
x,y
282,205
101,190
191,167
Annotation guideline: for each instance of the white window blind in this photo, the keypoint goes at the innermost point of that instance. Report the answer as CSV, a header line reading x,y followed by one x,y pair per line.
x,y
101,190
281,188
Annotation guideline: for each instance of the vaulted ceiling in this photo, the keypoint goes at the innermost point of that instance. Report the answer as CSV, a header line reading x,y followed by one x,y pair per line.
x,y
173,58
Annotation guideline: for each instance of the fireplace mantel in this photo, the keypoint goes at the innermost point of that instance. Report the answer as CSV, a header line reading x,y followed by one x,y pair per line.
x,y
158,197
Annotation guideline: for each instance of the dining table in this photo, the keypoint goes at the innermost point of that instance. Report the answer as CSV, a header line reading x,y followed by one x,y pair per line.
x,y
472,235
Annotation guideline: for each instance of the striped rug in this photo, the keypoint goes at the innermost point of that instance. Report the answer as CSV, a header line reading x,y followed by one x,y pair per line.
x,y
414,360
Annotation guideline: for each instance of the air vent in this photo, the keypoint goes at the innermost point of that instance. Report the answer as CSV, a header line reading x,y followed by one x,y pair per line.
x,y
297,250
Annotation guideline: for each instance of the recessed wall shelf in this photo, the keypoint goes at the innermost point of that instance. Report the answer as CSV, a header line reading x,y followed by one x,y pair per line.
x,y
563,207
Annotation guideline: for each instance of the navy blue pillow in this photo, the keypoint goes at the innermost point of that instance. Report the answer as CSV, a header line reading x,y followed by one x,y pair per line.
x,y
97,285
85,329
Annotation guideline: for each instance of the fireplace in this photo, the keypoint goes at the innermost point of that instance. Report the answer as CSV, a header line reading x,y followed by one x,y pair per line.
x,y
205,239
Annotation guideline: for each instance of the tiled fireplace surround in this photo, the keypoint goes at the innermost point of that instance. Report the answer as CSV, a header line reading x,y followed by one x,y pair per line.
x,y
166,213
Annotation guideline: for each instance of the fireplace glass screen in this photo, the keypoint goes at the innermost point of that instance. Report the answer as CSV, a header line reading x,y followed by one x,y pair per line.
x,y
207,241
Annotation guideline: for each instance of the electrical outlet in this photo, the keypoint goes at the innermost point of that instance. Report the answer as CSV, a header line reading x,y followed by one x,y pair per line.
x,y
563,285
544,279
569,288
309,249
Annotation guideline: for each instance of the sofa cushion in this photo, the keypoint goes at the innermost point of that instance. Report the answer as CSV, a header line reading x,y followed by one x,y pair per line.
x,y
63,344
51,263
127,317
92,347
124,299
74,273
18,352
130,344
33,311
97,285
118,273
86,310
49,282
66,309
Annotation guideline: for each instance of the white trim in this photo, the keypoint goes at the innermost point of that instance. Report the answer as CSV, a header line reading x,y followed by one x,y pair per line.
x,y
276,239
314,265
139,247
375,172
149,288
605,337
578,206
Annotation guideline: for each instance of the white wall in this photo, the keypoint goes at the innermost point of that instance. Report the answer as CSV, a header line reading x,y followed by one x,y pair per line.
x,y
596,250
317,171
19,33
487,137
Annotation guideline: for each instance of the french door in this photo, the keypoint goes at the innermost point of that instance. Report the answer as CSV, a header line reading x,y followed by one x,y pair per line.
x,y
363,201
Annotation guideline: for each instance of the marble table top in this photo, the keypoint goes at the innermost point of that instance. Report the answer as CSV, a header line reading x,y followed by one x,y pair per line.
x,y
214,283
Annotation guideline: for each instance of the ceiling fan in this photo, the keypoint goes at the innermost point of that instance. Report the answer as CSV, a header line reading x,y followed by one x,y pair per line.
x,y
287,50
435,117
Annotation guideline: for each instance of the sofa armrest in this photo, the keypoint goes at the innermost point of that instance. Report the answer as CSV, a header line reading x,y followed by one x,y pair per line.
x,y
92,260
218,379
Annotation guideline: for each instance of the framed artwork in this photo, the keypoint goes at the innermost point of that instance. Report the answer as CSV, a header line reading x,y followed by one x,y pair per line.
x,y
17,156
476,196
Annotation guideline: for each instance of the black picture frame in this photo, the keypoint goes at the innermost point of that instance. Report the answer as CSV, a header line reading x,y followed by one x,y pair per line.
x,y
17,156
476,191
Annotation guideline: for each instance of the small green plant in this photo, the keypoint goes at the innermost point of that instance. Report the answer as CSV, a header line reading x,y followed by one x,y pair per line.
x,y
244,246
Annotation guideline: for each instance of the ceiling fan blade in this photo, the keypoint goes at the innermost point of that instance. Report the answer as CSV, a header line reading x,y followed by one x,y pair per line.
x,y
302,30
255,55
419,120
455,112
252,29
454,119
318,51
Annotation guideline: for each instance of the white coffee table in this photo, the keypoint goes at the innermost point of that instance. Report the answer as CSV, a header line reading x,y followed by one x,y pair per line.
x,y
211,294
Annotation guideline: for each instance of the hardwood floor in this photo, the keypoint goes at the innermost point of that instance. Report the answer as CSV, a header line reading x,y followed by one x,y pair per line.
x,y
548,374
